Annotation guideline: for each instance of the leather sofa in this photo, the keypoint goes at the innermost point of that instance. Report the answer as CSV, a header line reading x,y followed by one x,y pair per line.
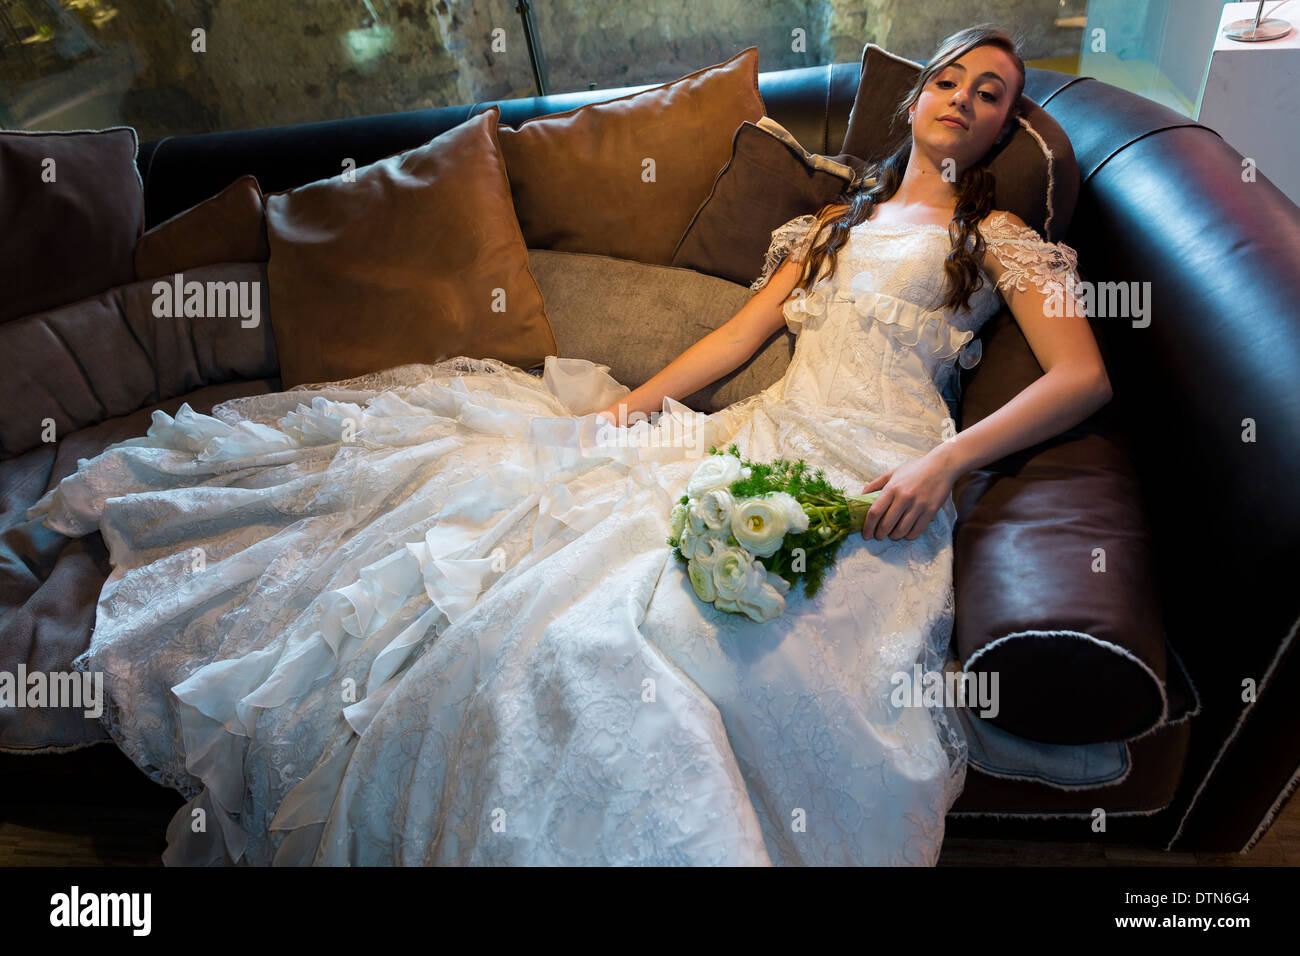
x,y
1162,200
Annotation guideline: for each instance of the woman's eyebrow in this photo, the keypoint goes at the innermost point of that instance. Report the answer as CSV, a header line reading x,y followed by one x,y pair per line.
x,y
989,73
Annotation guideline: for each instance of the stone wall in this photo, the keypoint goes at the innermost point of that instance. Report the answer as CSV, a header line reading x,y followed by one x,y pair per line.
x,y
270,62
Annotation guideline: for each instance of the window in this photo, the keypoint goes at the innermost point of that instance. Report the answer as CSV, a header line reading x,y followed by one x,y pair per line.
x,y
186,66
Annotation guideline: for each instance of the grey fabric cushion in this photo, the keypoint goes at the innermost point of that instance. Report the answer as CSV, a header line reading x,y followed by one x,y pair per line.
x,y
636,318
49,584
109,355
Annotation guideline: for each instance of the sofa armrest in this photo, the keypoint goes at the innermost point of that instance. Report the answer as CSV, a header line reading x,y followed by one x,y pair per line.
x,y
1053,572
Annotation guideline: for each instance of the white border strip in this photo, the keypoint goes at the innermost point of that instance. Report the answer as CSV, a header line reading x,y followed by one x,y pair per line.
x,y
135,156
1273,811
1075,815
1191,711
1051,174
1241,720
1114,648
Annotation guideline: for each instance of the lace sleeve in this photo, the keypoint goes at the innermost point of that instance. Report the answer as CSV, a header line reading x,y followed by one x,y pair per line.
x,y
1051,266
793,239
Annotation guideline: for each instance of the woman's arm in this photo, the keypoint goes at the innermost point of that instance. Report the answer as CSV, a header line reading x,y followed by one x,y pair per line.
x,y
725,348
717,353
1073,386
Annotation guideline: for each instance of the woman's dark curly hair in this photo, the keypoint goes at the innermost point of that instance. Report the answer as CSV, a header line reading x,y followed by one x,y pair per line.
x,y
974,189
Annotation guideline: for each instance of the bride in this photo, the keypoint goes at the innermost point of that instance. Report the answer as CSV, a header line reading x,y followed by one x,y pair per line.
x,y
430,616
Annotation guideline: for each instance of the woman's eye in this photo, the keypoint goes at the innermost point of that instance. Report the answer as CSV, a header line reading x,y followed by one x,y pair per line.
x,y
988,97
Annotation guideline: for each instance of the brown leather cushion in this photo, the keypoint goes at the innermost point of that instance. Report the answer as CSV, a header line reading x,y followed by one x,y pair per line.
x,y
769,180
580,178
1022,168
228,227
418,259
1079,651
110,354
72,237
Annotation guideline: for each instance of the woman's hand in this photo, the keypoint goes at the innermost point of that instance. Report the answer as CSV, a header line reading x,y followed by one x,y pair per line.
x,y
619,415
913,494
610,414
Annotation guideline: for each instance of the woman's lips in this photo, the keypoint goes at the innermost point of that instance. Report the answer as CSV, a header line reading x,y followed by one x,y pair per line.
x,y
952,122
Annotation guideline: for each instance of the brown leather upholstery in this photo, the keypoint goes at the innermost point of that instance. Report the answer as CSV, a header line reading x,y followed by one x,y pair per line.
x,y
81,198
580,178
764,185
1053,572
418,258
228,227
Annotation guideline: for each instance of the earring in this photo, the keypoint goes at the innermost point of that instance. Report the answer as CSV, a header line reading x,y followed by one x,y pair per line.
x,y
909,117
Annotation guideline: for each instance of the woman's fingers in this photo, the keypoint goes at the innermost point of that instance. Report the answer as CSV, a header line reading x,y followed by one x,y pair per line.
x,y
890,510
915,524
897,520
874,513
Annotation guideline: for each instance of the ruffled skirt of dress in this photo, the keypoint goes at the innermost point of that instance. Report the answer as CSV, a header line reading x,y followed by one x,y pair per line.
x,y
430,617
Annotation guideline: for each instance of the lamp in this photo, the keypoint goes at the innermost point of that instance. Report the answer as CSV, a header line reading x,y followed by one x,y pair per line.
x,y
1253,31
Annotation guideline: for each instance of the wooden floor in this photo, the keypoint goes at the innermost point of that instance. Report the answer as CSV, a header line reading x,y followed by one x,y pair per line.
x,y
94,808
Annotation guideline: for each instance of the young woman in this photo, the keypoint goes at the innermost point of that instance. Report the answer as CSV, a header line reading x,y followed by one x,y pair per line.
x,y
430,616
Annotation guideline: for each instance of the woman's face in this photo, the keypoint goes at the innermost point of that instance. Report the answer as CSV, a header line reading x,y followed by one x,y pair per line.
x,y
964,107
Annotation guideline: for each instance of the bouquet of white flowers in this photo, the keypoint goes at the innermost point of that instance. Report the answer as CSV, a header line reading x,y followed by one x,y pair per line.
x,y
735,512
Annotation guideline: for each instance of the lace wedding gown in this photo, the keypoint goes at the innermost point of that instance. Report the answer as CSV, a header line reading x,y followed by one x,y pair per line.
x,y
429,616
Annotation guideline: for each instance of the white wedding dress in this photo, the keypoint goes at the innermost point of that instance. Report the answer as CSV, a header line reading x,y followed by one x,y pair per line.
x,y
430,616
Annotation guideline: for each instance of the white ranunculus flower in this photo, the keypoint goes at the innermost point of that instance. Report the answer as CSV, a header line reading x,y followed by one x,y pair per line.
x,y
695,517
722,604
677,520
715,507
760,524
796,517
701,575
766,599
734,572
693,543
716,471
